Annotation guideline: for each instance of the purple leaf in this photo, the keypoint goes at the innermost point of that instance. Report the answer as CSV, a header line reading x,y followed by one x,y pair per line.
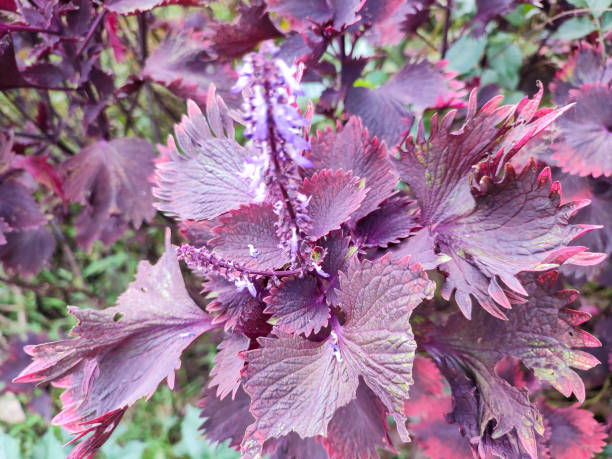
x,y
336,260
383,19
226,419
18,208
585,66
112,180
573,433
541,332
295,385
297,306
125,7
419,85
27,251
301,14
334,196
376,339
586,133
225,374
599,192
16,359
362,155
122,353
253,26
183,64
237,310
396,219
478,227
357,429
201,180
292,446
250,225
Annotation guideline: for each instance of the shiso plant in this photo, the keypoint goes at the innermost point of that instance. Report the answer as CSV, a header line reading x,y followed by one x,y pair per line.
x,y
386,277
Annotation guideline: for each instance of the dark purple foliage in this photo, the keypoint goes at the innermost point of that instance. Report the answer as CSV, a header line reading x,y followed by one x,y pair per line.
x,y
320,252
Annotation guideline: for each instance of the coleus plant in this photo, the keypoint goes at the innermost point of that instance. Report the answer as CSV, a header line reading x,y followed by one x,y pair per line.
x,y
322,255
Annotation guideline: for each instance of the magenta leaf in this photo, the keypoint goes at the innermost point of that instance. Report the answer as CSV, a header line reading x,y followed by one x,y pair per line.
x,y
428,405
184,64
125,7
301,14
586,133
396,219
200,179
376,339
226,419
334,196
225,374
250,226
16,359
357,429
237,310
573,433
112,180
362,155
141,339
384,19
298,305
100,428
418,85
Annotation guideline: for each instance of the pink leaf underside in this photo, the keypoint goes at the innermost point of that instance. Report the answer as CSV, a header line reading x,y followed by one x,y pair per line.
x,y
254,225
16,359
126,7
394,220
226,419
362,155
225,373
419,85
112,180
99,430
185,65
573,433
237,310
428,405
334,196
200,179
298,305
122,353
302,13
357,429
585,140
377,299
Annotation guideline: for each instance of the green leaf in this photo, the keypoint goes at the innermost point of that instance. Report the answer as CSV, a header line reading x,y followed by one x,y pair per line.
x,y
465,54
193,445
105,264
597,7
575,28
505,58
9,447
49,447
